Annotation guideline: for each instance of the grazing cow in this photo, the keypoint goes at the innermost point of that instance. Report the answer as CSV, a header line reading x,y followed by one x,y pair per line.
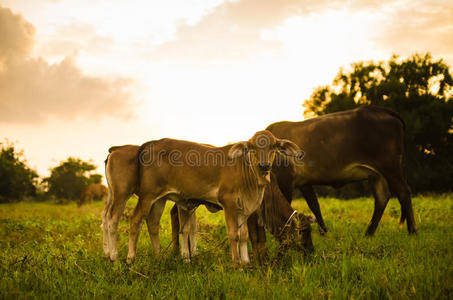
x,y
121,169
180,170
363,143
92,192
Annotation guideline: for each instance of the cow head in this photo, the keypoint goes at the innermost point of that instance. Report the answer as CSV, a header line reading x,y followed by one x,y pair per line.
x,y
298,234
260,150
304,227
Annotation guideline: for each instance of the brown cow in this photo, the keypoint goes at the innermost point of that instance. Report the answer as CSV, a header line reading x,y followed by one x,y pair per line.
x,y
92,192
169,169
363,143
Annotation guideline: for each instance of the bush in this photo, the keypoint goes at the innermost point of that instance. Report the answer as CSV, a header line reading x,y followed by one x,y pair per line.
x,y
17,179
67,180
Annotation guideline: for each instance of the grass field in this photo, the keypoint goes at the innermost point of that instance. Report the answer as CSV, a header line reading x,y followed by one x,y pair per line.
x,y
49,250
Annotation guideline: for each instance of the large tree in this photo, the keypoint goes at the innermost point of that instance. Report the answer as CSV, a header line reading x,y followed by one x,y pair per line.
x,y
17,180
419,88
68,179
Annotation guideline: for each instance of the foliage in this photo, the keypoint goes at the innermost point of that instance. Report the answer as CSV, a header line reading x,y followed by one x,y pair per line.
x,y
17,179
68,179
50,251
418,88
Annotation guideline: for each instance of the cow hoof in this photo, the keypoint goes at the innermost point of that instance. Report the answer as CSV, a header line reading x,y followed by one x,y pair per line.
x,y
413,232
113,256
369,233
130,260
322,231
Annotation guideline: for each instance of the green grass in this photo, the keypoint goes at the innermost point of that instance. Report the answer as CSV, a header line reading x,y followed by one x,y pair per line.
x,y
55,251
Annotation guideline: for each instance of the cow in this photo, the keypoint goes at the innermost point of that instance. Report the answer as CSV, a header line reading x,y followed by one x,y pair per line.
x,y
169,170
367,142
92,192
121,169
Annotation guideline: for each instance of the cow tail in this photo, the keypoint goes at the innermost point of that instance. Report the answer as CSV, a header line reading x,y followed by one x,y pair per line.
x,y
140,164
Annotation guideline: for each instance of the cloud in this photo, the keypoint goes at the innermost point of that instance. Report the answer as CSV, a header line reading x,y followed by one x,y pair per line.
x,y
17,35
233,30
32,90
419,26
73,37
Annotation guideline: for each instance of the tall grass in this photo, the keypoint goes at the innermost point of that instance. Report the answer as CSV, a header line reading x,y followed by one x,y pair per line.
x,y
55,251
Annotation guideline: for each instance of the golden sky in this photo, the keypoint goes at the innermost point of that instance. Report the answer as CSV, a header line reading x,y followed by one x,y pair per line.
x,y
77,77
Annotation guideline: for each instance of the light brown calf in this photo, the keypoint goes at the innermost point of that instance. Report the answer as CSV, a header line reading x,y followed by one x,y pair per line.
x,y
121,169
233,177
290,228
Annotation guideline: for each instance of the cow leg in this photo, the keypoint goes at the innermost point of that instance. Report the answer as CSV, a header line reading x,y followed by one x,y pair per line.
x,y
105,228
257,237
403,215
381,197
153,222
193,233
141,211
252,224
115,210
262,242
174,228
313,204
231,218
402,191
243,238
185,221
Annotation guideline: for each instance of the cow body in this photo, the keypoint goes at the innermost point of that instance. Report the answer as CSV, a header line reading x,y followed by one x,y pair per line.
x,y
363,143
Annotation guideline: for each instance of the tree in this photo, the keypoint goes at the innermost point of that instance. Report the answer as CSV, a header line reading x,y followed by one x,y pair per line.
x,y
68,179
419,88
17,179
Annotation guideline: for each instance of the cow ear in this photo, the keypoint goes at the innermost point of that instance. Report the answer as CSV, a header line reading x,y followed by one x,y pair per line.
x,y
288,148
238,150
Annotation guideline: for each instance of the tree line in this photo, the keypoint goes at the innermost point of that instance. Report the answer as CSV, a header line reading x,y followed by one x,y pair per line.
x,y
65,183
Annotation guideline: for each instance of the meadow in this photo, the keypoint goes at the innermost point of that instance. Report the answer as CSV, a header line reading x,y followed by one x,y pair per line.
x,y
55,251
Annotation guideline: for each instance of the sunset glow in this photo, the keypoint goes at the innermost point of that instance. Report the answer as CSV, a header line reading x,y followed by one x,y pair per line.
x,y
93,74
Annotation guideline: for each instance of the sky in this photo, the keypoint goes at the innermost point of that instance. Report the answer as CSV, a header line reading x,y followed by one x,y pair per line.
x,y
77,77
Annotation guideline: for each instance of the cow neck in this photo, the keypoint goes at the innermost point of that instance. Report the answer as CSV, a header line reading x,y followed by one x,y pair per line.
x,y
251,193
275,209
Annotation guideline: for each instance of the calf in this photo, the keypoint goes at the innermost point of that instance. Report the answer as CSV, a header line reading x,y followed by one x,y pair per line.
x,y
121,169
290,228
180,170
